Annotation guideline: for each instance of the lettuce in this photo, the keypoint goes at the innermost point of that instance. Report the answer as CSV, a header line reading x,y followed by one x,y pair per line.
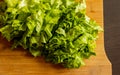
x,y
58,30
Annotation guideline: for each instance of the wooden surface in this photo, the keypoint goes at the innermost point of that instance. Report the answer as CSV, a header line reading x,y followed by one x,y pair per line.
x,y
20,62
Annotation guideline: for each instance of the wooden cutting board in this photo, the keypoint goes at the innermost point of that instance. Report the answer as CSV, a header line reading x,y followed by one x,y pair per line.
x,y
20,62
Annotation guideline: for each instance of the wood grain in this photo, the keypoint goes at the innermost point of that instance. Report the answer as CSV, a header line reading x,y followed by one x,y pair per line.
x,y
20,62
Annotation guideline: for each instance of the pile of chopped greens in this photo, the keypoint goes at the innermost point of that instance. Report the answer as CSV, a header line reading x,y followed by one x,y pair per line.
x,y
58,30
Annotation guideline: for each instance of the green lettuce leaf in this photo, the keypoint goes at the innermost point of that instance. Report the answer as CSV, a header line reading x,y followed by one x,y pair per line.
x,y
58,30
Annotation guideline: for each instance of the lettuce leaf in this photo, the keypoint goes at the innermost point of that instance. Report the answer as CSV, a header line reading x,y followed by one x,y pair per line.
x,y
58,30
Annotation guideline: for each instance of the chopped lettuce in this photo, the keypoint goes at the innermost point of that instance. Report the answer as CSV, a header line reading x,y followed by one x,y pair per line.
x,y
58,30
